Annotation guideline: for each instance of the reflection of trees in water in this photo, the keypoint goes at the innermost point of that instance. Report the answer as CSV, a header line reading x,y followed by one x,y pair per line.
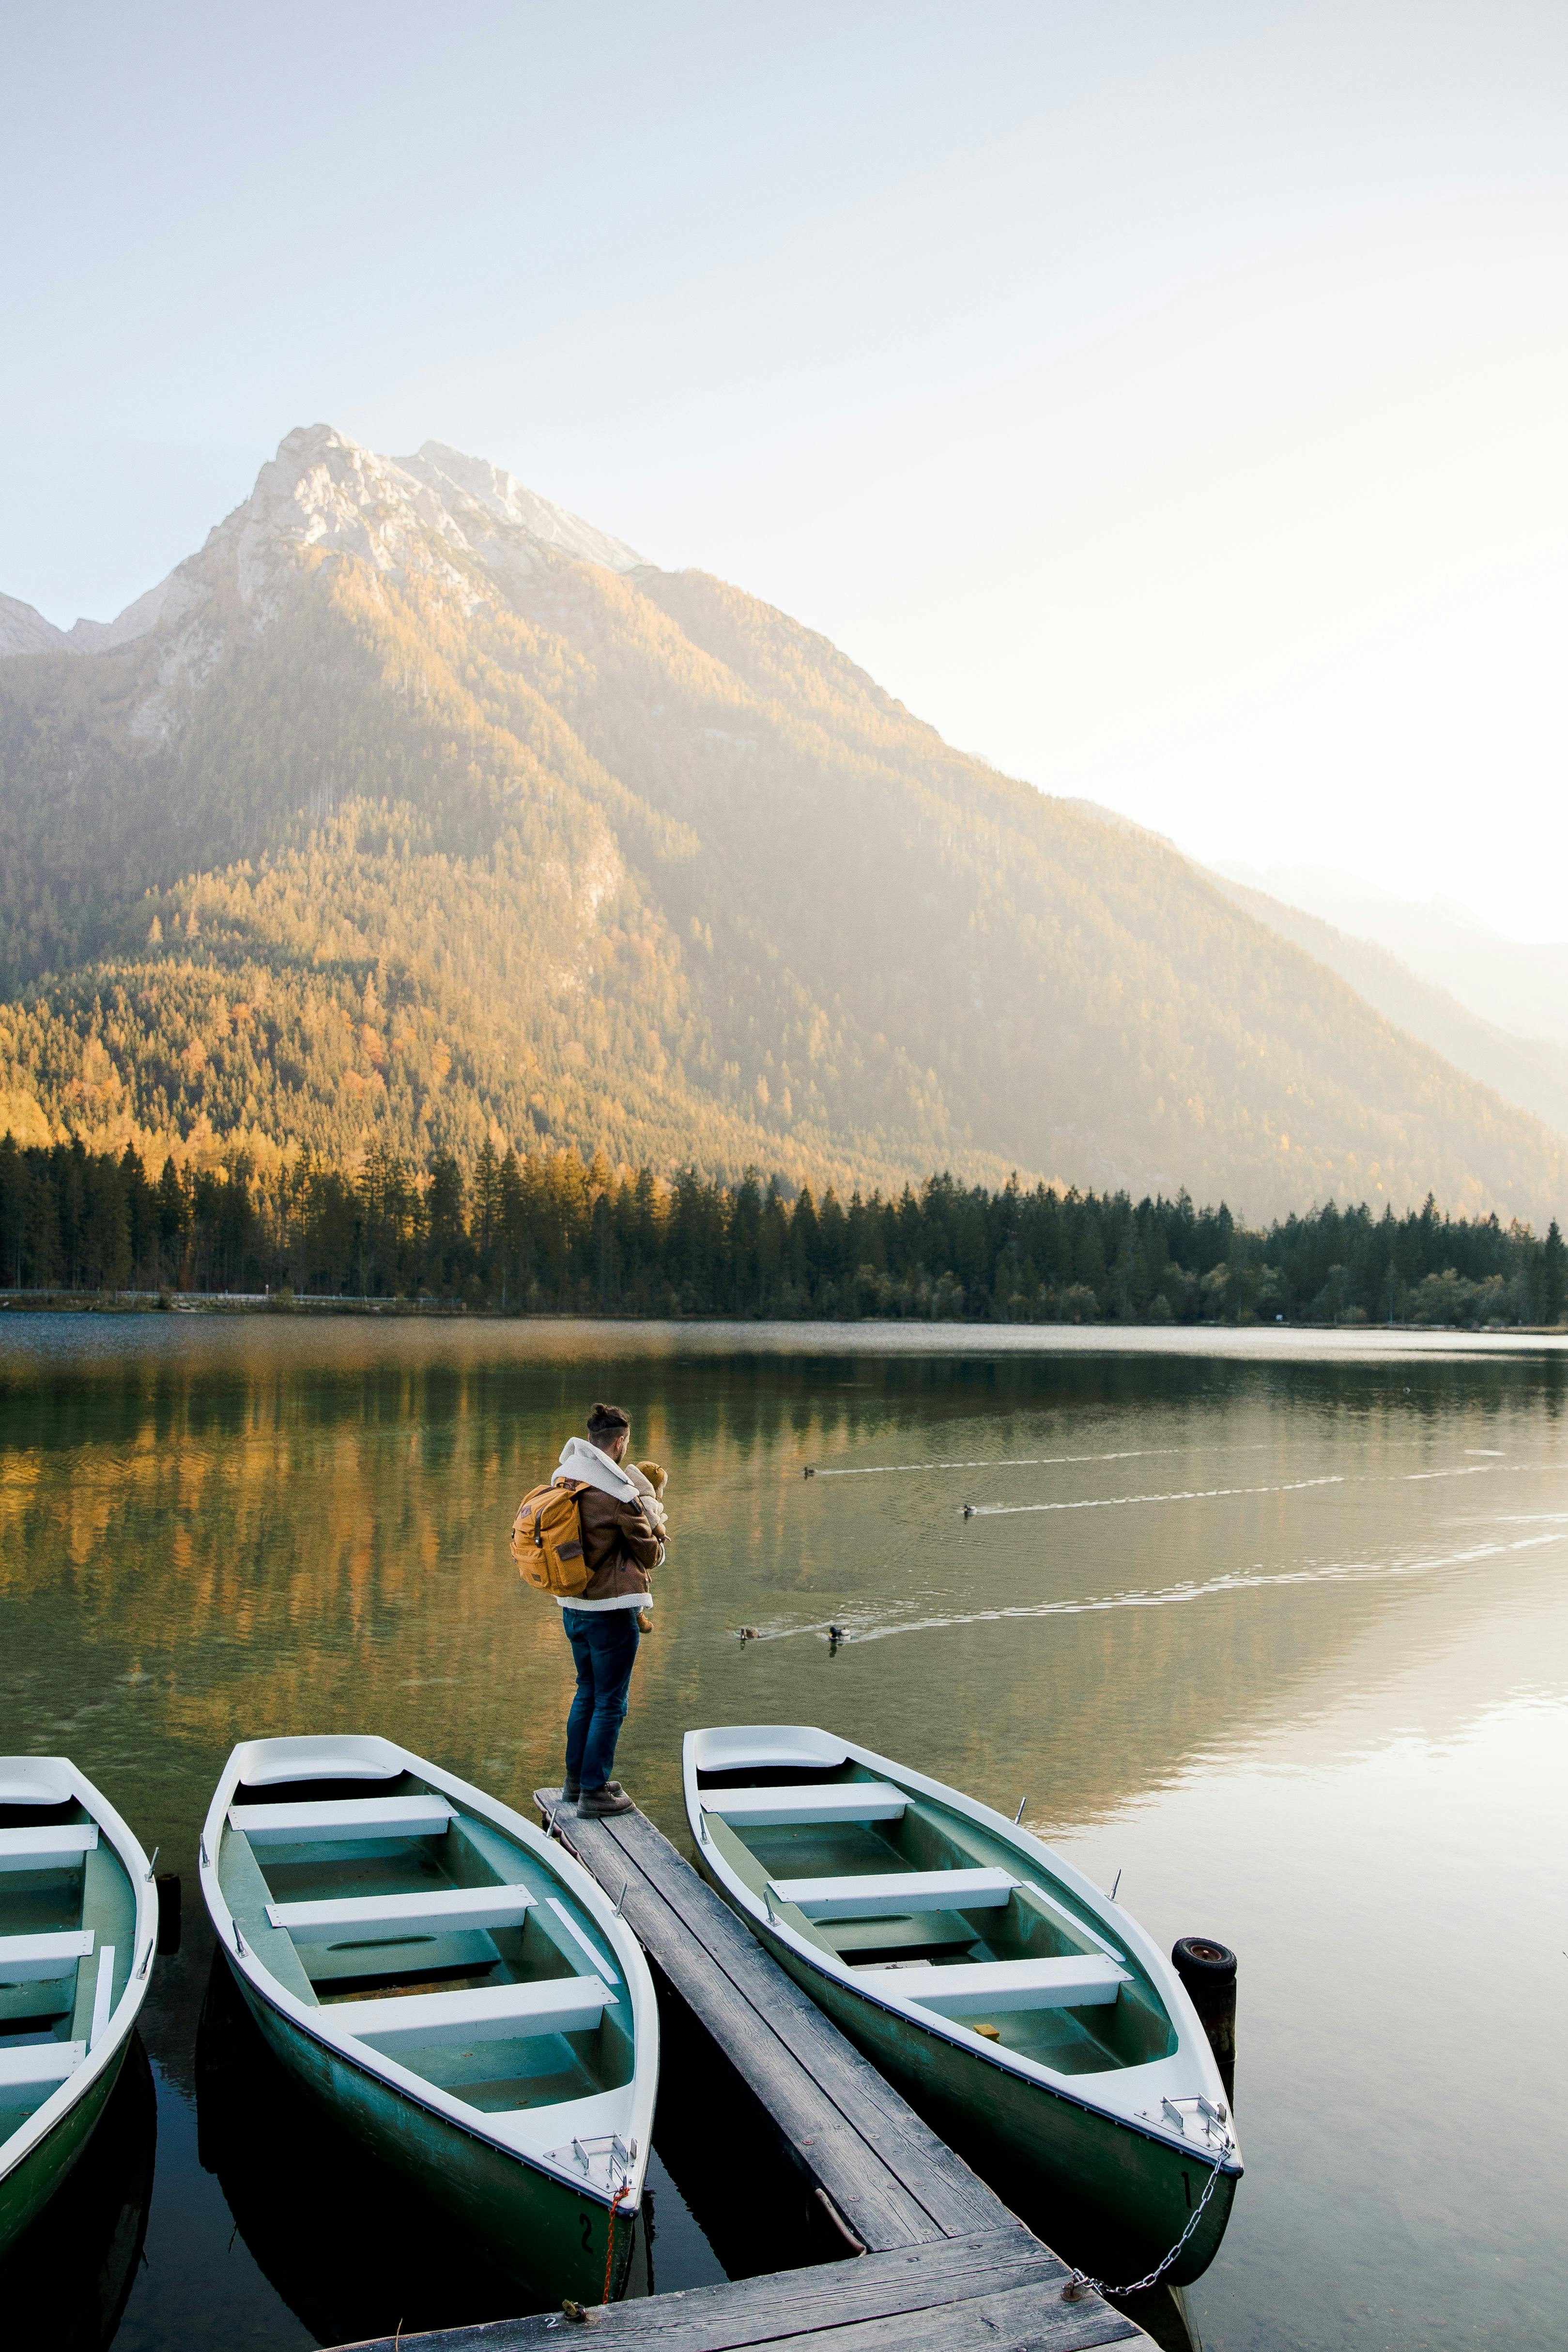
x,y
66,2281
286,1528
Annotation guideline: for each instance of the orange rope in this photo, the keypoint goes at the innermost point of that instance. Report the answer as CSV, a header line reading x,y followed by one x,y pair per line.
x,y
624,2191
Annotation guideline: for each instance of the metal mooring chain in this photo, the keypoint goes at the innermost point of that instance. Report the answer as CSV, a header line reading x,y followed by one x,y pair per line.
x,y
1081,2279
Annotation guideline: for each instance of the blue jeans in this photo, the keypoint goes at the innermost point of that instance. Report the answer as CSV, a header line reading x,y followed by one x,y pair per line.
x,y
604,1647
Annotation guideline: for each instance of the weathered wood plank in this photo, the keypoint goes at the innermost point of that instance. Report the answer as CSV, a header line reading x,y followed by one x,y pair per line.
x,y
740,1984
998,2289
1033,2320
956,2199
882,2208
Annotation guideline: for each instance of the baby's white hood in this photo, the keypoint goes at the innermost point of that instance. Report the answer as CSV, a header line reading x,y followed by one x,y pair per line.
x,y
583,1462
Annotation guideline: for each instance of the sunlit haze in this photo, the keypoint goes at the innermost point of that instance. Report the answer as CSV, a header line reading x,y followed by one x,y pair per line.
x,y
1166,402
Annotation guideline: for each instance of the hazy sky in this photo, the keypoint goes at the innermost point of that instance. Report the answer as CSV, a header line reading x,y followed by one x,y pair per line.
x,y
1168,401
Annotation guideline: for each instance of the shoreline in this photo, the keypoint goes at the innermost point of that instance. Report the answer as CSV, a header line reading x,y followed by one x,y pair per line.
x,y
275,1307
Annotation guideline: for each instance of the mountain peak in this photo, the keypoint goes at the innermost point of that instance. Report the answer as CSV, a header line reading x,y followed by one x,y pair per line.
x,y
505,500
324,490
24,630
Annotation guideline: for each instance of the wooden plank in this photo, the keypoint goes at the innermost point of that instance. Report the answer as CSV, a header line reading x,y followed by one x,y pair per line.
x,y
981,1988
628,1846
840,1800
312,1820
39,1959
503,2012
759,2038
434,1912
864,2185
41,2062
955,2199
999,2288
895,1893
35,1848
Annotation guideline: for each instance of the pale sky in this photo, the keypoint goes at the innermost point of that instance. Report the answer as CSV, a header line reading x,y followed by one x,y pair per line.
x,y
1168,401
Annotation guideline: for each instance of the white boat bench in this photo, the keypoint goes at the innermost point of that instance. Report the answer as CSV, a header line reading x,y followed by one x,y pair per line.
x,y
102,1995
353,1817
488,2013
43,2062
39,1959
833,1800
437,1911
892,1894
47,1849
989,1988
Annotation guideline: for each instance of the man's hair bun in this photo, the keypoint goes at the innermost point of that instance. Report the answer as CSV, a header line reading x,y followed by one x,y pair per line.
x,y
604,1417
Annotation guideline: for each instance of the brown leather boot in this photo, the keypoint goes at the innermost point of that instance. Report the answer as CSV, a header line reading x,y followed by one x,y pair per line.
x,y
595,1803
571,1791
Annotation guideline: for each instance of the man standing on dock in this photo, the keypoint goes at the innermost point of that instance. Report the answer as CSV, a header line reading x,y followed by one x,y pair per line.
x,y
623,1542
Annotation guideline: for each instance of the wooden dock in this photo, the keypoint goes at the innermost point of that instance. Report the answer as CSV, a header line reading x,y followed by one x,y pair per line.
x,y
917,2254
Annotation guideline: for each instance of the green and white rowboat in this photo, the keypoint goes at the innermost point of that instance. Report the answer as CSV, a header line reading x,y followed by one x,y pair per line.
x,y
79,1921
1029,2019
455,1987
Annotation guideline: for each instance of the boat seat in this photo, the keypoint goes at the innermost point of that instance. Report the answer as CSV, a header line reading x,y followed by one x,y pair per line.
x,y
48,1849
987,1988
439,1910
102,1995
574,1934
488,2013
892,1894
351,1817
41,2061
832,1800
39,1959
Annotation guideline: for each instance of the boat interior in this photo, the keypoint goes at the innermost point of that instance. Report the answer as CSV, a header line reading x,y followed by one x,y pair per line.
x,y
67,1923
432,1937
922,1903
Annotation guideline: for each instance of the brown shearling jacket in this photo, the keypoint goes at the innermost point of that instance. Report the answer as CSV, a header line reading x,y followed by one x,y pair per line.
x,y
619,1545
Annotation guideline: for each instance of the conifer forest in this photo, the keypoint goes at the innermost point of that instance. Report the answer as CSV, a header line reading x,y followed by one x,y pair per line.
x,y
546,1233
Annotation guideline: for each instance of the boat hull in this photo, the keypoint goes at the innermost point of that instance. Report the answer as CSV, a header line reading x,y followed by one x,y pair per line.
x,y
26,2189
1108,2198
531,2224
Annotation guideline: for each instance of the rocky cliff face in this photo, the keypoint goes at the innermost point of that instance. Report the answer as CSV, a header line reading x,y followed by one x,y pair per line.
x,y
437,517
412,806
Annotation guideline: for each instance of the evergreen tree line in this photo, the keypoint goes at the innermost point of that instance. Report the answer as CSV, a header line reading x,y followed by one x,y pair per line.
x,y
548,1233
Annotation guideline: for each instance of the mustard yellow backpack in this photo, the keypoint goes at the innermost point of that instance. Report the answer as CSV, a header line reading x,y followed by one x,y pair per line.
x,y
547,1540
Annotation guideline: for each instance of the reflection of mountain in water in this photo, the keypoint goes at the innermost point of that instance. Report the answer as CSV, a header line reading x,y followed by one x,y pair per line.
x,y
66,2281
297,1527
351,2249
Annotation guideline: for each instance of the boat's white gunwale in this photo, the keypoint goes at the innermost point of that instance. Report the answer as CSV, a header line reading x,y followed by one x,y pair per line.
x,y
314,2022
105,2052
1189,2071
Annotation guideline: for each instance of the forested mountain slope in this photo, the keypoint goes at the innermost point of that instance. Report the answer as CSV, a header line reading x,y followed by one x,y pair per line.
x,y
413,808
1528,1070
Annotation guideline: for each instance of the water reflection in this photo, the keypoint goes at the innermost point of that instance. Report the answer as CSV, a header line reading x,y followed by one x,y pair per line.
x,y
351,2250
354,2251
67,2279
1164,2314
1284,1633
296,1528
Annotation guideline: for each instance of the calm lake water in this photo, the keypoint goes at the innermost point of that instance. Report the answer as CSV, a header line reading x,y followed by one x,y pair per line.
x,y
1275,1625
